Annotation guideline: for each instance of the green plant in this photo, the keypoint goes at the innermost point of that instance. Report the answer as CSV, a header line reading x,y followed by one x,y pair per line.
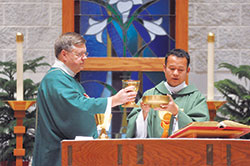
x,y
237,95
7,120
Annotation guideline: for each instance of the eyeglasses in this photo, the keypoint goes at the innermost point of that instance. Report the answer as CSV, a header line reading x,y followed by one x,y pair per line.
x,y
80,55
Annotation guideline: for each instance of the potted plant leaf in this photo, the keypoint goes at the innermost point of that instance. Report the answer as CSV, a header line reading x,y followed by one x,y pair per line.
x,y
7,120
237,95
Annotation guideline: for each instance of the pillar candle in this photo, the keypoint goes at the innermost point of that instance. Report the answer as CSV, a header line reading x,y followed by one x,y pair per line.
x,y
19,66
210,67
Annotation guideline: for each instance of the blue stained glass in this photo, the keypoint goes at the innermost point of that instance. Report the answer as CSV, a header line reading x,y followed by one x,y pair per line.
x,y
146,17
132,40
88,82
142,31
148,53
160,45
159,8
94,48
84,24
104,11
117,43
104,37
172,44
117,28
134,75
90,8
98,17
165,24
133,9
147,83
150,79
128,53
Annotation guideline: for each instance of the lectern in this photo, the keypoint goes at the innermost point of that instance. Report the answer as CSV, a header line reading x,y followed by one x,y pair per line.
x,y
160,152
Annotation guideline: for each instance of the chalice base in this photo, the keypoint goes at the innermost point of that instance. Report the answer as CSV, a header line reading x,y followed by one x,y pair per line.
x,y
103,134
130,105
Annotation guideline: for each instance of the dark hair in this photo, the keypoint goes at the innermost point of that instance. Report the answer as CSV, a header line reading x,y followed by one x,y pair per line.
x,y
179,53
66,42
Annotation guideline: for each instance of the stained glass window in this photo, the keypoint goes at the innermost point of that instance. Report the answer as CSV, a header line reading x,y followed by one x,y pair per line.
x,y
124,28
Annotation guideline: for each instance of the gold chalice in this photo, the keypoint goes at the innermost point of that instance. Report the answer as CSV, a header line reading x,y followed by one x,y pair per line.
x,y
135,83
102,122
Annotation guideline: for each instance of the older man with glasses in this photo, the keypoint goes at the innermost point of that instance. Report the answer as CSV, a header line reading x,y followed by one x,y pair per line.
x,y
64,109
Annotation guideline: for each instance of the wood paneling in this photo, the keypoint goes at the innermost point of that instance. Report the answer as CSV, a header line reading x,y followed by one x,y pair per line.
x,y
148,152
182,24
68,17
124,64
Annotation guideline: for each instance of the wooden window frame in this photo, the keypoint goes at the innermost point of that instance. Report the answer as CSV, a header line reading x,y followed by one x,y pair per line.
x,y
124,63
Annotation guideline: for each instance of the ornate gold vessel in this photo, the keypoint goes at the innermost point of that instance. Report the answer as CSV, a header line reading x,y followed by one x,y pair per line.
x,y
155,100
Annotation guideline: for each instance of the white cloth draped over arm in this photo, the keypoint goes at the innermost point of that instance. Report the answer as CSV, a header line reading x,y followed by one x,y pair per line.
x,y
141,126
106,122
107,114
175,125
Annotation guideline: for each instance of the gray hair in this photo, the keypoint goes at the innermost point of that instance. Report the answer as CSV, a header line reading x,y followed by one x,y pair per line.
x,y
67,41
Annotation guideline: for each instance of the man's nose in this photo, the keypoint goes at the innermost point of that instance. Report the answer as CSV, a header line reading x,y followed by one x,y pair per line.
x,y
84,57
176,72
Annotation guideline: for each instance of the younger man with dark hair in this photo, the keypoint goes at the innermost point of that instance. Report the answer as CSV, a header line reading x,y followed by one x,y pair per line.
x,y
186,104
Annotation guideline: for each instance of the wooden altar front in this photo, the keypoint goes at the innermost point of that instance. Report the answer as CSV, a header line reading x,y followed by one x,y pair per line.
x,y
148,152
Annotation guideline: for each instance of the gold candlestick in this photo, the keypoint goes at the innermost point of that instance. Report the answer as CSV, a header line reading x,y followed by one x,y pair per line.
x,y
213,106
19,108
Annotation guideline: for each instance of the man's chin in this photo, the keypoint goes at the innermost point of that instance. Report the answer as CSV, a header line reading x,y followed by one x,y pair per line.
x,y
174,84
82,68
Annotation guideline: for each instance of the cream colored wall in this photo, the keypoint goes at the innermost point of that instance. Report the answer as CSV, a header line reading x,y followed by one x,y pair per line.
x,y
229,20
39,21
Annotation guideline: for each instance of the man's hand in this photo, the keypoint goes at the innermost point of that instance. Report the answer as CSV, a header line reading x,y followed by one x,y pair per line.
x,y
145,109
123,96
84,94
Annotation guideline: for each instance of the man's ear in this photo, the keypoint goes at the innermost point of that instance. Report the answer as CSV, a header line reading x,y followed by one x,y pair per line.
x,y
63,52
62,55
164,67
188,69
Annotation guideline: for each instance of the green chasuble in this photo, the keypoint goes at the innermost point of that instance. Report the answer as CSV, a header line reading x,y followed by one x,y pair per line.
x,y
192,107
63,113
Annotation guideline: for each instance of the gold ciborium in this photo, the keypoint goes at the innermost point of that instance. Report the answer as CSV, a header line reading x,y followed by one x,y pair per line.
x,y
103,123
135,83
155,101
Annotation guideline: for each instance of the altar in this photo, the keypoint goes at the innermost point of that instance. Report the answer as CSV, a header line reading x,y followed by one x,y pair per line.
x,y
149,152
